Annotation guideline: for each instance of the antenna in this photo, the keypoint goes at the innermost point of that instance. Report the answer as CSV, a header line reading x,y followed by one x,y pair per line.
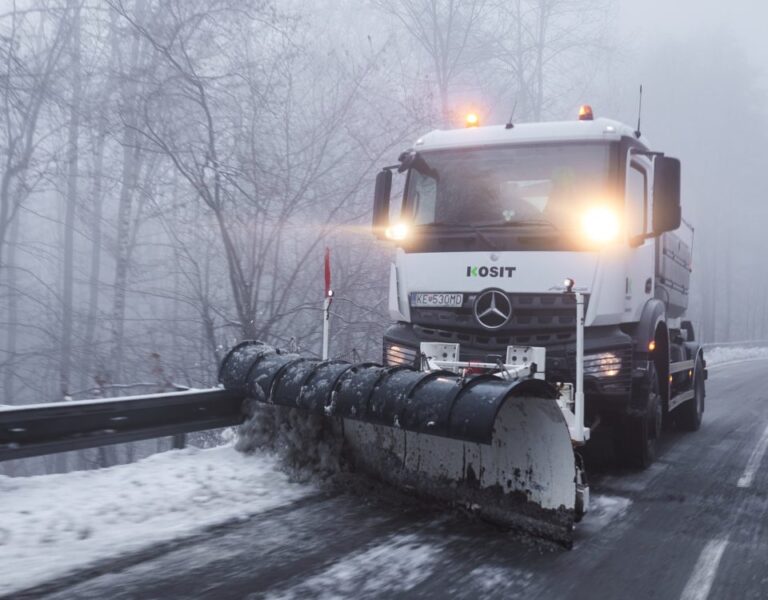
x,y
510,124
639,112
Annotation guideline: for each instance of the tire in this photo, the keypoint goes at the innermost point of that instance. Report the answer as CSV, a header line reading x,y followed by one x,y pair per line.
x,y
638,436
688,416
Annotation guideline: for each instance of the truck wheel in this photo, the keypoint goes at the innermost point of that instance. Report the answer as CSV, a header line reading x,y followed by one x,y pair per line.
x,y
688,416
638,435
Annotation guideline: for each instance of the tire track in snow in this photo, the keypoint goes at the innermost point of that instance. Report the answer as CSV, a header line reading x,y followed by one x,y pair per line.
x,y
261,556
157,551
394,566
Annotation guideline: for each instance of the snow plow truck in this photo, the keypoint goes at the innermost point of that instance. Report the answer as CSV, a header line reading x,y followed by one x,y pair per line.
x,y
538,291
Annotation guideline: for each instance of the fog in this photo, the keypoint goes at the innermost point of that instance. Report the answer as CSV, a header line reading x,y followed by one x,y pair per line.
x,y
171,171
704,73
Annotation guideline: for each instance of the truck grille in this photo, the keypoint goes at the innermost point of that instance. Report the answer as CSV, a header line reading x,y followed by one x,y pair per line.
x,y
542,313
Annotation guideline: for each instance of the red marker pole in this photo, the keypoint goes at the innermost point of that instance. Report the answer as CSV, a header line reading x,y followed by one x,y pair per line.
x,y
327,299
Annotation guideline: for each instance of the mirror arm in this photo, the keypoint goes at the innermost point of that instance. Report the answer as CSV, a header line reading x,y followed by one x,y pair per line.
x,y
648,153
636,240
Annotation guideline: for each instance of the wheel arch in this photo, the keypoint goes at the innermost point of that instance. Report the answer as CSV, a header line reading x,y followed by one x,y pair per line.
x,y
652,327
697,354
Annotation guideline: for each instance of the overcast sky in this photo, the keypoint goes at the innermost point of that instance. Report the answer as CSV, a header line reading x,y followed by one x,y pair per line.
x,y
649,21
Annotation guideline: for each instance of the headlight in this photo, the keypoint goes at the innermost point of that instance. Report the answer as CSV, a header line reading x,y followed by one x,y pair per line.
x,y
397,232
605,364
601,224
397,355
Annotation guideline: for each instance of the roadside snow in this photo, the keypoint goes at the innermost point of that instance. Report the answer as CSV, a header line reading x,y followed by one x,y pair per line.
x,y
727,354
51,524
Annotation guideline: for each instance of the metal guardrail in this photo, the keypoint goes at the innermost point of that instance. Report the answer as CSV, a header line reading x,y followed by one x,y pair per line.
x,y
34,430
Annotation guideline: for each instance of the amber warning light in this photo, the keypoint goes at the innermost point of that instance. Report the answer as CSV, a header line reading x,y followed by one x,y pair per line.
x,y
585,113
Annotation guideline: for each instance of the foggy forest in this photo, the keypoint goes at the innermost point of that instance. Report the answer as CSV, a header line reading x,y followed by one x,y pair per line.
x,y
171,171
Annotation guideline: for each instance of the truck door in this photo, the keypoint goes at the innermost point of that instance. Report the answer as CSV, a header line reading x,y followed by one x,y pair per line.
x,y
640,268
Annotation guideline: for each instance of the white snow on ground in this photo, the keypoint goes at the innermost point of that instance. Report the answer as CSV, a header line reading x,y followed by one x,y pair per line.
x,y
501,582
391,568
602,511
719,355
51,524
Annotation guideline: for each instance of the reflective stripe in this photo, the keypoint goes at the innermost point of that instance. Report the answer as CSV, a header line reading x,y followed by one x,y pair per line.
x,y
684,365
682,397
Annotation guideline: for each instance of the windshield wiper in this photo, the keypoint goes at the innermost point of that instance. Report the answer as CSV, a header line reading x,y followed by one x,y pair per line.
x,y
443,224
472,229
531,223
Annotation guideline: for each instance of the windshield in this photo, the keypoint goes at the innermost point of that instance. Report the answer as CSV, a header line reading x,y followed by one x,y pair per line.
x,y
541,186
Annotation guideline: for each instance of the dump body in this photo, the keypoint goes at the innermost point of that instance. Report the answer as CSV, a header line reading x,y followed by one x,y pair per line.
x,y
673,273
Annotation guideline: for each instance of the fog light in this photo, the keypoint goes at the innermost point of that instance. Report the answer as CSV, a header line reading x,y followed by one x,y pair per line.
x,y
397,355
604,364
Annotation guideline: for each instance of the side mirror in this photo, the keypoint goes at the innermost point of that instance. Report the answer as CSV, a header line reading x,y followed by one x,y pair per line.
x,y
666,194
381,196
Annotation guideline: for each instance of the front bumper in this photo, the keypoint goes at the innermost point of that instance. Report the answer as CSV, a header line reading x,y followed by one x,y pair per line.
x,y
608,387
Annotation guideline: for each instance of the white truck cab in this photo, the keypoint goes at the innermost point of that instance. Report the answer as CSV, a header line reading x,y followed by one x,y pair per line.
x,y
494,219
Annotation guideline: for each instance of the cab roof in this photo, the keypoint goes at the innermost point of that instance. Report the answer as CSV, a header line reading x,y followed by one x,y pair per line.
x,y
527,133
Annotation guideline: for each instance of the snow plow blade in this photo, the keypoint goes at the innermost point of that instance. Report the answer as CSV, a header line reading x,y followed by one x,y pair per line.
x,y
500,448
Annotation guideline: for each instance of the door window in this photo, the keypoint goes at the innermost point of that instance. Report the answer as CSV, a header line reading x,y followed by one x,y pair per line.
x,y
637,200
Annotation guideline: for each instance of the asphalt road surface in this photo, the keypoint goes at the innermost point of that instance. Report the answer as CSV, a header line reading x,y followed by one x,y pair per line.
x,y
692,526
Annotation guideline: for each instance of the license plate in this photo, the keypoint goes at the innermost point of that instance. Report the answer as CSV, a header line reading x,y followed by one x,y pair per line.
x,y
424,299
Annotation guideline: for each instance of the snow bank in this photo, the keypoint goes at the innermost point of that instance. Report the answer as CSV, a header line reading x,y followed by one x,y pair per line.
x,y
725,354
51,524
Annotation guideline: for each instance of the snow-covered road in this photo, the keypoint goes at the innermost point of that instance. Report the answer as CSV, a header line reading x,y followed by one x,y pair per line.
x,y
53,525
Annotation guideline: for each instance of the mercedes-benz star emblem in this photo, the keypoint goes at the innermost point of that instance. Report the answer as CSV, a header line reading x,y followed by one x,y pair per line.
x,y
493,309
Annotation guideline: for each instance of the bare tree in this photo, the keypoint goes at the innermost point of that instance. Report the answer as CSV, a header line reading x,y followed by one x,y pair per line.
x,y
448,32
260,192
32,44
28,72
545,48
73,175
132,159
